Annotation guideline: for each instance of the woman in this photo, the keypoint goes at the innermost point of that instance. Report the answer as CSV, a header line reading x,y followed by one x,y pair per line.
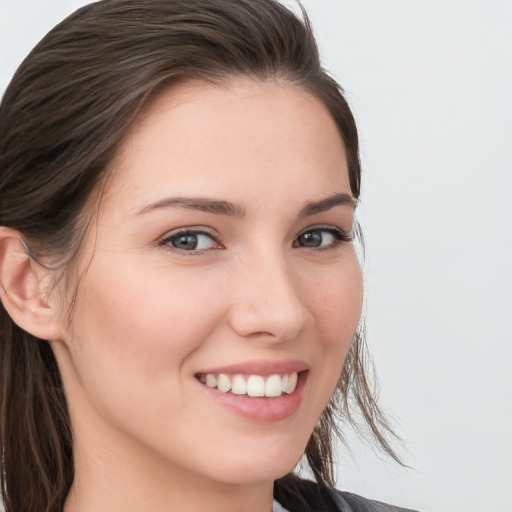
x,y
179,285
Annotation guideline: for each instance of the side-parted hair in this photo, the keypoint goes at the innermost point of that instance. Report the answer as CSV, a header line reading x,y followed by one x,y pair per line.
x,y
62,118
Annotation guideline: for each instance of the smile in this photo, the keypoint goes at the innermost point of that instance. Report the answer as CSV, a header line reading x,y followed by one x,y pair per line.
x,y
258,390
271,386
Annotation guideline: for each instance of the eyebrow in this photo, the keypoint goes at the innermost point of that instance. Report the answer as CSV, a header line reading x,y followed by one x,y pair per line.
x,y
198,203
220,207
341,199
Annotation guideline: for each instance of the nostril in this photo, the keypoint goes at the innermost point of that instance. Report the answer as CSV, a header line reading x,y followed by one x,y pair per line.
x,y
271,319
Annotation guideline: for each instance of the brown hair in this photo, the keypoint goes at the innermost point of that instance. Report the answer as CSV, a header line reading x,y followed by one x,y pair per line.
x,y
61,119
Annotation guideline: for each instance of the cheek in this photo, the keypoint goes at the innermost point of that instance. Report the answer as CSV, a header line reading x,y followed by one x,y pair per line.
x,y
336,307
144,324
337,303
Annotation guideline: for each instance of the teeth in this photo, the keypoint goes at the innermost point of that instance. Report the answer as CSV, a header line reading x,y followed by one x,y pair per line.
x,y
253,385
284,384
211,380
223,383
239,386
273,386
292,383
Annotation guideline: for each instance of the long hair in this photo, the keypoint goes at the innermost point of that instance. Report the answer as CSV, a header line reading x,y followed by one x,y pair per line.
x,y
62,118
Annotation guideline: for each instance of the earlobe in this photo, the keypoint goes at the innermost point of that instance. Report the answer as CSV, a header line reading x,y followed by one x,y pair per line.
x,y
20,288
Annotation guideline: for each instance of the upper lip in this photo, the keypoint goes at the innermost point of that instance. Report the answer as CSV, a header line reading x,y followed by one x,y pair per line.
x,y
260,367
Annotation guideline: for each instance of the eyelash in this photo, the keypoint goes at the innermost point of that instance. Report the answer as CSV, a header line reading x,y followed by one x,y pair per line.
x,y
167,240
339,236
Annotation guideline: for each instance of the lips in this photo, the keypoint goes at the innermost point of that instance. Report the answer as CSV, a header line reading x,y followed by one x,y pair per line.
x,y
260,390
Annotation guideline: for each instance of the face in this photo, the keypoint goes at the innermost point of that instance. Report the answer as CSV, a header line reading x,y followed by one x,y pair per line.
x,y
220,269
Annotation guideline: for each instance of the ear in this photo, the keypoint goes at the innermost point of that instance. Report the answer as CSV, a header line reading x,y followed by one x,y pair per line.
x,y
21,291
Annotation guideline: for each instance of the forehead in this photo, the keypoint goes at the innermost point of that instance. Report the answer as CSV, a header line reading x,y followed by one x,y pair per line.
x,y
200,138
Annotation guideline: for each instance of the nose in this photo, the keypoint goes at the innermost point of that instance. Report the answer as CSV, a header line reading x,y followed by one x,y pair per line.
x,y
268,300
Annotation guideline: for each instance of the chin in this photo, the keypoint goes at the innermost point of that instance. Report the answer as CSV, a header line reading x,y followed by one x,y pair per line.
x,y
259,463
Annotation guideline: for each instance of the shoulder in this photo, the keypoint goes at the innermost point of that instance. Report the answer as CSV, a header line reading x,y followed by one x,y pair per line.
x,y
348,502
298,495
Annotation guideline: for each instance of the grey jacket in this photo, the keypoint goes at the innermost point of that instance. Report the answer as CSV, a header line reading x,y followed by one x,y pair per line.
x,y
348,502
301,495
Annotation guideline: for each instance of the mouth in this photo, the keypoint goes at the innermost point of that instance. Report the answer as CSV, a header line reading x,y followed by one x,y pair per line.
x,y
261,390
257,386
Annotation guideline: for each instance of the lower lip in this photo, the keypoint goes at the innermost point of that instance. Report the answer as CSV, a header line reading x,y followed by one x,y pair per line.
x,y
261,409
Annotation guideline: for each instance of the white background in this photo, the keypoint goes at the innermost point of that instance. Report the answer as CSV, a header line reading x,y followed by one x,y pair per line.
x,y
430,83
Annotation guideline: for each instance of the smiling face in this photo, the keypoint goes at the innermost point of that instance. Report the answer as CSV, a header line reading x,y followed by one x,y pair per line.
x,y
220,263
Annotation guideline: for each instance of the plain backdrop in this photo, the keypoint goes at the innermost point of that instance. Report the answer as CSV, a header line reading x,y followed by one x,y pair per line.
x,y
430,83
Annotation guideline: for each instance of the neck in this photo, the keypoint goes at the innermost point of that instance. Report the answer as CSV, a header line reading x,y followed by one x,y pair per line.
x,y
112,475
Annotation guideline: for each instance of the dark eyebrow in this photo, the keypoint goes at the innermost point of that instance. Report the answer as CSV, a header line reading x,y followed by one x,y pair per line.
x,y
220,207
323,205
197,203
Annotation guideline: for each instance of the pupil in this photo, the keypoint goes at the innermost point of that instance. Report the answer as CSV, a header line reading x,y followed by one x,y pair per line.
x,y
186,242
311,239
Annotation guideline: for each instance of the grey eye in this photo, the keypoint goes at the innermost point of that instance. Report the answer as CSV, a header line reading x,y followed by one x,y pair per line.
x,y
191,241
320,238
310,239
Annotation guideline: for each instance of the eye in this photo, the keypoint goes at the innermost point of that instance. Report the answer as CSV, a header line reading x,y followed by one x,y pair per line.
x,y
190,241
321,238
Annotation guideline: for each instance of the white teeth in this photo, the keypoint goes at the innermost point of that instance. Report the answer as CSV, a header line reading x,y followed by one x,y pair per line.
x,y
292,383
253,385
211,381
239,386
223,383
273,386
284,384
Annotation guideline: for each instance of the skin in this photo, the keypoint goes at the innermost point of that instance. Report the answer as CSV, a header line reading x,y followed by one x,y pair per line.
x,y
149,316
